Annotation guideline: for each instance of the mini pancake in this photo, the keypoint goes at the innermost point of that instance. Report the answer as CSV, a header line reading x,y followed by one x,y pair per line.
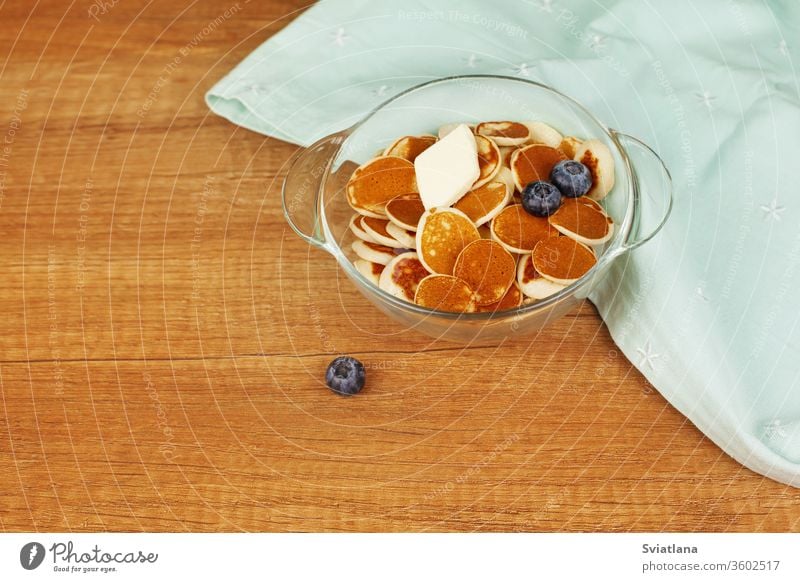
x,y
596,156
531,283
405,211
562,260
377,229
511,300
584,220
489,160
518,231
373,252
358,230
410,146
568,146
544,134
534,162
507,177
505,155
442,235
484,203
405,237
370,270
445,293
378,181
488,269
402,276
504,133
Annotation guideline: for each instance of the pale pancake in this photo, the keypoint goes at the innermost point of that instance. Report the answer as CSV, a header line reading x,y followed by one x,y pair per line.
x,y
402,276
378,181
405,211
489,160
445,293
484,203
372,271
533,163
568,146
410,146
377,229
518,231
442,235
531,283
544,134
358,230
511,300
584,220
596,156
504,133
488,269
507,177
406,238
563,260
373,252
505,155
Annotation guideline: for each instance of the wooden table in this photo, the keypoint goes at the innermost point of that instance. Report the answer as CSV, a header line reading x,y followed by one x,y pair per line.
x,y
165,334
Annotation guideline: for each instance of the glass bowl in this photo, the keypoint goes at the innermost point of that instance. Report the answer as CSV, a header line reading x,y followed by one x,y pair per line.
x,y
315,201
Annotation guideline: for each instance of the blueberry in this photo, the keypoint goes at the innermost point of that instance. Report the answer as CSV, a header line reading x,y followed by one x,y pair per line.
x,y
345,376
541,198
572,178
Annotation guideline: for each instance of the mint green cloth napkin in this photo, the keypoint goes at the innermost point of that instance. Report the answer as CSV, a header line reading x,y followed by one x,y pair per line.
x,y
708,310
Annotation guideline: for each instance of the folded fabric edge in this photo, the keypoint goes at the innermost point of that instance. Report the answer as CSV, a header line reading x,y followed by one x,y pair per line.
x,y
240,113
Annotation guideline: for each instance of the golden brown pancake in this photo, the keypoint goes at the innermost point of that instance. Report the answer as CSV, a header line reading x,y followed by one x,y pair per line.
x,y
519,231
533,163
481,204
378,225
488,269
511,300
568,146
582,217
528,273
410,146
442,235
405,211
489,160
562,259
402,275
445,293
378,181
504,132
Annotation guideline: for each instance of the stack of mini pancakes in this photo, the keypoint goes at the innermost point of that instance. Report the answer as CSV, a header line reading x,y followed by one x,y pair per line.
x,y
483,252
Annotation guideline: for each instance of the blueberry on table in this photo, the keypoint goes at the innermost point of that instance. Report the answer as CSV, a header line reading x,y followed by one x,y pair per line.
x,y
345,376
541,198
572,178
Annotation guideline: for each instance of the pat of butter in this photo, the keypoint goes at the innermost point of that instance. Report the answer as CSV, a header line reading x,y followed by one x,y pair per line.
x,y
446,170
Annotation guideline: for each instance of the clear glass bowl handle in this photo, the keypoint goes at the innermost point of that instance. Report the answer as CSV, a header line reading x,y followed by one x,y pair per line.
x,y
655,188
303,185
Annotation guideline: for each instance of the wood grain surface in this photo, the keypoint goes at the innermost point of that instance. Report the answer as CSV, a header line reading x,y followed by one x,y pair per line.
x,y
165,334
